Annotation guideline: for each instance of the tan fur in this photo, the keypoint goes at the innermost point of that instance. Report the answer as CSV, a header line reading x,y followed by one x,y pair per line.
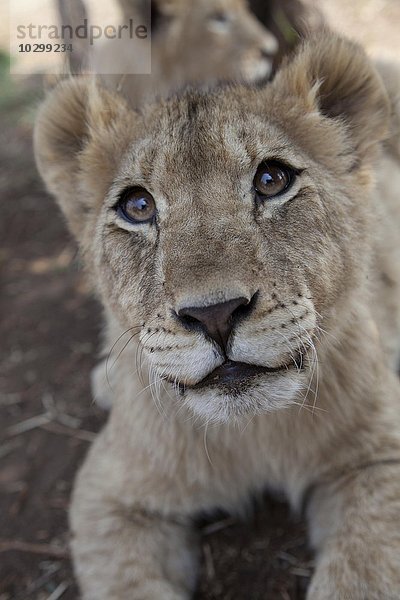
x,y
327,435
191,46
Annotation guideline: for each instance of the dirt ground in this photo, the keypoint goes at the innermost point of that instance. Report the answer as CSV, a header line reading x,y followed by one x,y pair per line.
x,y
49,328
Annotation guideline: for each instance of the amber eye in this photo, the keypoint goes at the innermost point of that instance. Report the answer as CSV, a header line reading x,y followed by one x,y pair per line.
x,y
272,179
137,206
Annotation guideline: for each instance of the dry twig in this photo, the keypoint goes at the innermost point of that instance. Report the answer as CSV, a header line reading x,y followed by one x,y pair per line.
x,y
58,592
46,549
80,434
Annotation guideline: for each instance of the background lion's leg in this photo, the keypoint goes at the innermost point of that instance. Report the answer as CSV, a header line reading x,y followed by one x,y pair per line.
x,y
123,550
354,522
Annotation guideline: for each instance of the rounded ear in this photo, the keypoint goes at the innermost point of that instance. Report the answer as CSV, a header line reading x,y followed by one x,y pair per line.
x,y
156,8
333,76
169,8
80,132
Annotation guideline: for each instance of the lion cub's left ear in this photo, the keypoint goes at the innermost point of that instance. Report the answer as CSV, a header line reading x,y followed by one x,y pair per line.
x,y
333,77
80,134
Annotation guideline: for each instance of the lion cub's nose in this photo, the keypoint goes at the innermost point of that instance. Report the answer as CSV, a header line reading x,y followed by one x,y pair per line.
x,y
217,320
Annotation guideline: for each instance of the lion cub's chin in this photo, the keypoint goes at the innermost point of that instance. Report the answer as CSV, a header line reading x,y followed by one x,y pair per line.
x,y
261,394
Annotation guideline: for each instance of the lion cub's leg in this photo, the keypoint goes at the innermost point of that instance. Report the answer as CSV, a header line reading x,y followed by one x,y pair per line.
x,y
355,523
123,548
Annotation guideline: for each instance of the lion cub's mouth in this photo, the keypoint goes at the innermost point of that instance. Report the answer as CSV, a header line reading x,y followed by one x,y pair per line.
x,y
236,373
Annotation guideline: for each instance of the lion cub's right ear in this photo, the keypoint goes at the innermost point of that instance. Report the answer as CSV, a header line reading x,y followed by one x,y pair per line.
x,y
332,77
80,134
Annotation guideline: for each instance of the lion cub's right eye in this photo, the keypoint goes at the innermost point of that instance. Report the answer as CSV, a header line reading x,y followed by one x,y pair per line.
x,y
137,206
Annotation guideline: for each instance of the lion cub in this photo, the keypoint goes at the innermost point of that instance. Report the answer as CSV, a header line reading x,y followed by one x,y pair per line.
x,y
240,238
195,42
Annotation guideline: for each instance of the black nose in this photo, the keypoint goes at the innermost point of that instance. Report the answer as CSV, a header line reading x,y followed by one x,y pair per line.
x,y
216,320
267,54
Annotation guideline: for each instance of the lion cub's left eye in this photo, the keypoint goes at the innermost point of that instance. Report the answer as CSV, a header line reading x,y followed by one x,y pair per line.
x,y
137,206
272,179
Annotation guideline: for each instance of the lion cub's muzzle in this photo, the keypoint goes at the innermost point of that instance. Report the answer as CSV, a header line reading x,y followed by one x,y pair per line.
x,y
217,322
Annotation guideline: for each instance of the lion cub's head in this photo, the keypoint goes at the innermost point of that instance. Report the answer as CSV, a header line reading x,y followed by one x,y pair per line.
x,y
226,225
197,40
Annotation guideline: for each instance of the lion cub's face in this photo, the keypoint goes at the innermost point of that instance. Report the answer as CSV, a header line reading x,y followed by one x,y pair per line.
x,y
219,39
225,226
